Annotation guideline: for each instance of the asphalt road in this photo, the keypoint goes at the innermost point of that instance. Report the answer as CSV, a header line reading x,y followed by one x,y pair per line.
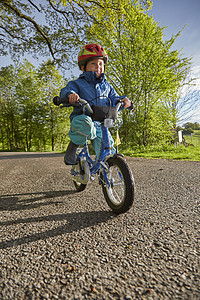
x,y
59,244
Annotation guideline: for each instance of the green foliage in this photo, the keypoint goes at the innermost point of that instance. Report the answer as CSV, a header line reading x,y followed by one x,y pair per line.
x,y
53,29
188,131
193,126
142,66
28,118
47,28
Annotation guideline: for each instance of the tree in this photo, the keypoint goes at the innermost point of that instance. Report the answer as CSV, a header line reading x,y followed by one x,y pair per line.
x,y
189,101
141,65
48,29
53,29
190,125
55,119
9,117
28,119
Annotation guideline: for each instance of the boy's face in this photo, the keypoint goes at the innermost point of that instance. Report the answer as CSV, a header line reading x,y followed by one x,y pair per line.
x,y
95,65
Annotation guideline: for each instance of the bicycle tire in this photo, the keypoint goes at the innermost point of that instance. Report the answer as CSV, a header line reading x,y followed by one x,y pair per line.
x,y
79,186
80,181
120,199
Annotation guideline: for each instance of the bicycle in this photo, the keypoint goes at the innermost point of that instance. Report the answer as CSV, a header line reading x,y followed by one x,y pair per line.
x,y
114,174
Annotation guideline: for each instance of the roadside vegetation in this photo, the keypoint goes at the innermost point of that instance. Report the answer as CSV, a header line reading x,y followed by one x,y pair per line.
x,y
188,150
178,152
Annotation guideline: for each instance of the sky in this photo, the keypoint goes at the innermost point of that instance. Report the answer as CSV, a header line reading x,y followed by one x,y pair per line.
x,y
174,14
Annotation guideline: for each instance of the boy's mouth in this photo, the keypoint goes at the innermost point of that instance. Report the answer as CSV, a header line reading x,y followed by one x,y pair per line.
x,y
98,73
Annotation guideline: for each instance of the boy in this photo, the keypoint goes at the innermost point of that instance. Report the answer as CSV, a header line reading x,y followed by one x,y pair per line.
x,y
93,87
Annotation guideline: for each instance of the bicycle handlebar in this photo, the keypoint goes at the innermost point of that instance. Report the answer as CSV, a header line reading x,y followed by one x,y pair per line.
x,y
65,103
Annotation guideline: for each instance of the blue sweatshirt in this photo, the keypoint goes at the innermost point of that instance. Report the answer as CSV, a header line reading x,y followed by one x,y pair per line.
x,y
95,90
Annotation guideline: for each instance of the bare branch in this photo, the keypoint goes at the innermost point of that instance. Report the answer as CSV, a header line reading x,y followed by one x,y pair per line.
x,y
58,10
12,35
96,3
34,5
91,16
27,18
64,13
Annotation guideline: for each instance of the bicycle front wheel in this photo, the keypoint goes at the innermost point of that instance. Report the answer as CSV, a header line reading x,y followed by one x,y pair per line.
x,y
119,194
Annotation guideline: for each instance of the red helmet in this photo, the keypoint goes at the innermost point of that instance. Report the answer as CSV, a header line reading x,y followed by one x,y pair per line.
x,y
91,51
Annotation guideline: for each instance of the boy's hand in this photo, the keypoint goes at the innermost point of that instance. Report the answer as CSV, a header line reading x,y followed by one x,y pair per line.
x,y
127,102
73,98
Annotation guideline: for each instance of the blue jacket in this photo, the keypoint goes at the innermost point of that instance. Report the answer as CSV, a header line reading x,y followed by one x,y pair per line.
x,y
94,90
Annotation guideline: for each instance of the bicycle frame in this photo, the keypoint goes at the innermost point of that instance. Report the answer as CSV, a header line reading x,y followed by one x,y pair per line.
x,y
105,150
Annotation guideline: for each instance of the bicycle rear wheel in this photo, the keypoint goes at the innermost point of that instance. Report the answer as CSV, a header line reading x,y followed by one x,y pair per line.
x,y
79,186
120,194
80,175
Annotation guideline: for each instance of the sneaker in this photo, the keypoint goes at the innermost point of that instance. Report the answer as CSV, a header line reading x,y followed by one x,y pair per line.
x,y
70,154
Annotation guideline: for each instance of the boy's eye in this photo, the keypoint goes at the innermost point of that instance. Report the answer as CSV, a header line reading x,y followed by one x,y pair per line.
x,y
96,64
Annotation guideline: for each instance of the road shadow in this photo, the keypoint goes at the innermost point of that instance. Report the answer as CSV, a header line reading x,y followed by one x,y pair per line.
x,y
12,202
18,155
75,221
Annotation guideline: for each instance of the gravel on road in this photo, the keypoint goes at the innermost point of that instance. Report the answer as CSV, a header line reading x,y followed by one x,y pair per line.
x,y
56,243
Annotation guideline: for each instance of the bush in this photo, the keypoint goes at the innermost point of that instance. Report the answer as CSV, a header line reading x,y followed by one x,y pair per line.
x,y
188,131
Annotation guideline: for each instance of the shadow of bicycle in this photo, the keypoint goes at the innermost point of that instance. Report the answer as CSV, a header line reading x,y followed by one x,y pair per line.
x,y
11,202
75,221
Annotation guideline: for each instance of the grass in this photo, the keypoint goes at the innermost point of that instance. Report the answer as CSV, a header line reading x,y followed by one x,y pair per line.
x,y
169,151
194,139
178,152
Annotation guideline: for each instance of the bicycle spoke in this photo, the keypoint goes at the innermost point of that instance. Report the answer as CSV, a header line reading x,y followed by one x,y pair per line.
x,y
116,189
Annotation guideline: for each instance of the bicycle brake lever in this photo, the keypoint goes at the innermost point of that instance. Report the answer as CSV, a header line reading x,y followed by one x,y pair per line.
x,y
120,103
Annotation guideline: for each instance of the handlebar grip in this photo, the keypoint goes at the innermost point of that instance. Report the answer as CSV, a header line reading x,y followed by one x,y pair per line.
x,y
65,101
56,100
